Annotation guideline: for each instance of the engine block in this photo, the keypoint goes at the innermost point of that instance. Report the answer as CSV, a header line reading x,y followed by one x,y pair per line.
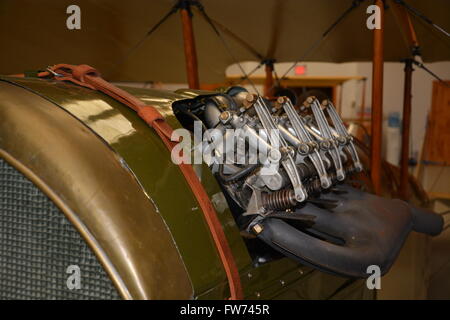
x,y
272,156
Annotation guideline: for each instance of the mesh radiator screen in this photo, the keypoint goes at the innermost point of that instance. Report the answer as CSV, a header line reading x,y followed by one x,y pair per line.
x,y
38,244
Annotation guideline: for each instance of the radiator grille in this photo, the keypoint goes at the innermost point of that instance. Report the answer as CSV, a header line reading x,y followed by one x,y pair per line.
x,y
38,244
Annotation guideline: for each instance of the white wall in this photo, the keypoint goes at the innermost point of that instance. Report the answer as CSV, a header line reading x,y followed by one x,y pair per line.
x,y
421,90
393,88
350,88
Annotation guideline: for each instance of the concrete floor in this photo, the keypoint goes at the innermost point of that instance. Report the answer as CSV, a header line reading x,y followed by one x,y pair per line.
x,y
439,267
422,270
407,278
431,270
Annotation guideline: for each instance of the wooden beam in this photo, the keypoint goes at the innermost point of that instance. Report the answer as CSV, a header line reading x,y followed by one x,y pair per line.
x,y
408,30
406,24
438,195
268,83
190,52
407,97
377,101
362,108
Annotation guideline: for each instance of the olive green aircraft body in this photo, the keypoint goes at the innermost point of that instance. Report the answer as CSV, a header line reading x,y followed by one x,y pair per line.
x,y
112,176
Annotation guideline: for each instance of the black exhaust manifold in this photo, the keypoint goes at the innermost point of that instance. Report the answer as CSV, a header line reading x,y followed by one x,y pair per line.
x,y
359,231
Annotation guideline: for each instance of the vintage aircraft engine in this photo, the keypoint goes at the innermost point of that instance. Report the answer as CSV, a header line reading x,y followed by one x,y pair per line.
x,y
284,168
84,181
269,157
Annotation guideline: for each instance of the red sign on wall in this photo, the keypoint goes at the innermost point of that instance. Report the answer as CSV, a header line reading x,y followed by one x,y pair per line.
x,y
300,70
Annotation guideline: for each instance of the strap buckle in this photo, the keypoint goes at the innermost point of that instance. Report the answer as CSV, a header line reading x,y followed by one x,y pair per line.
x,y
55,74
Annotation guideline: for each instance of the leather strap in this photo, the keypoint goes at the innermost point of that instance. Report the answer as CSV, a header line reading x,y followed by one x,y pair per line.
x,y
86,76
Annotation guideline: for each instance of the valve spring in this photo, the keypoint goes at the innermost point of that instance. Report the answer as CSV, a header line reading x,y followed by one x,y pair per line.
x,y
285,199
279,200
306,171
313,187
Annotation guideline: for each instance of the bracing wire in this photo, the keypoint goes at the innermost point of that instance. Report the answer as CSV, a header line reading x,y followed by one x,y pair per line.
x,y
225,44
316,44
417,13
138,44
